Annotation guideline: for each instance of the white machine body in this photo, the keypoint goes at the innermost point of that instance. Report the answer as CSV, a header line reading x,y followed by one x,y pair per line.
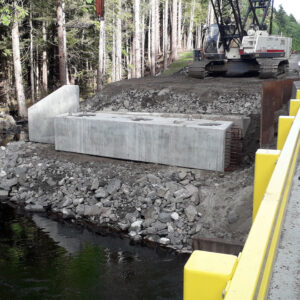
x,y
261,44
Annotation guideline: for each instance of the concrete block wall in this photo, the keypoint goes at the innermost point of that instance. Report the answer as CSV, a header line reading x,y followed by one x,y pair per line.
x,y
172,141
41,115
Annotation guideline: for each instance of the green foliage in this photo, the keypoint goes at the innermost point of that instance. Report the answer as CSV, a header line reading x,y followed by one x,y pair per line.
x,y
184,60
288,26
5,13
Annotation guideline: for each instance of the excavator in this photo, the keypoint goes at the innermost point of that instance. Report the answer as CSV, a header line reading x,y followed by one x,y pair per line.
x,y
236,45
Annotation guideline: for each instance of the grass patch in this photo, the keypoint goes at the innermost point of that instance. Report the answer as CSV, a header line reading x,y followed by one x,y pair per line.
x,y
185,58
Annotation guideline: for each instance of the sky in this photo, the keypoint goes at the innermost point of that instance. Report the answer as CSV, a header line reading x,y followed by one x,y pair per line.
x,y
290,6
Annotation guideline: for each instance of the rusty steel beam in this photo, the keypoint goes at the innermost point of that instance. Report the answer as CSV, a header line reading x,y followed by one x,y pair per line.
x,y
100,10
275,95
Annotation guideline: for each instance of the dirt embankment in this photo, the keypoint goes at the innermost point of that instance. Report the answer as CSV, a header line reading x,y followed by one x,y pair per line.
x,y
181,94
147,202
168,205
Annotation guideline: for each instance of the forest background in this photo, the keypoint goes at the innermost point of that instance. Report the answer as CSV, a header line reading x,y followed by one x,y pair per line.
x,y
45,44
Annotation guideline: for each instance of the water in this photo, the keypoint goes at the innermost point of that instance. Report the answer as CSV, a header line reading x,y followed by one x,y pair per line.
x,y
43,259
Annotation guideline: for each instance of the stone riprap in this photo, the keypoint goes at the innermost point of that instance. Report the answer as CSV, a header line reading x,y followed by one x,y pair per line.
x,y
145,202
172,141
41,115
137,99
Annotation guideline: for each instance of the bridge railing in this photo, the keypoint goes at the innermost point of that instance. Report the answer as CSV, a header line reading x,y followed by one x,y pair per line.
x,y
214,276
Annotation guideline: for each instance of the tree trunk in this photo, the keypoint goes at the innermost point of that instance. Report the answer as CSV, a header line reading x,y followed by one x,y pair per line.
x,y
174,31
149,37
179,32
128,60
61,44
165,33
17,65
31,56
113,73
184,41
210,14
65,41
191,26
119,44
199,37
100,56
137,39
157,27
45,67
37,74
153,37
143,45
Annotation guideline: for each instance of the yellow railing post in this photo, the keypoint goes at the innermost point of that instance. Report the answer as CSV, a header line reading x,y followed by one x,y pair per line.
x,y
206,275
294,107
298,94
284,125
265,162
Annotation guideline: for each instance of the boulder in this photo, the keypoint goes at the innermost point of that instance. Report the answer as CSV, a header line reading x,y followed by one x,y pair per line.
x,y
7,123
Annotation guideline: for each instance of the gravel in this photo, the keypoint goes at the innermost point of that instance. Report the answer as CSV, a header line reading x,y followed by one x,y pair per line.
x,y
145,100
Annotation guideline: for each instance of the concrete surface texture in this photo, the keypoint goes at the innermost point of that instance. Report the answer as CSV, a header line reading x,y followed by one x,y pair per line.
x,y
41,115
285,281
239,121
172,141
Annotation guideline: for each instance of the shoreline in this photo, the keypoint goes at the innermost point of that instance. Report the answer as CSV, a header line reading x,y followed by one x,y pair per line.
x,y
148,203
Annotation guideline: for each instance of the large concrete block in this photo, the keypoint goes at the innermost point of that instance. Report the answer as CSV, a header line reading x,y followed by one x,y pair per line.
x,y
171,141
41,115
241,122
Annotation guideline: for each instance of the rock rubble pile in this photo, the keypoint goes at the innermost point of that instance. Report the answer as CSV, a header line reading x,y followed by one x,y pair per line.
x,y
162,204
167,101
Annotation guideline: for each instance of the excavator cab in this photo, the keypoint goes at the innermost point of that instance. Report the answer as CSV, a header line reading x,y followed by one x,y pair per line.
x,y
211,39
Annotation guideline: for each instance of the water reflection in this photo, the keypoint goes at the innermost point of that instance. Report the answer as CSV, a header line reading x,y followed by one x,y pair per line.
x,y
43,259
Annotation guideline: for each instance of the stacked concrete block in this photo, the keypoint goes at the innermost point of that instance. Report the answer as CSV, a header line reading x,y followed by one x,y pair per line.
x,y
172,141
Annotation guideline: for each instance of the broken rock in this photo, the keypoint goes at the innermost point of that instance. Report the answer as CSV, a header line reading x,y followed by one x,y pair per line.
x,y
191,213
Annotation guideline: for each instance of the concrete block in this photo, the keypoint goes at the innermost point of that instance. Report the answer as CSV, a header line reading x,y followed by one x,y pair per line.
x,y
239,121
172,141
296,90
41,115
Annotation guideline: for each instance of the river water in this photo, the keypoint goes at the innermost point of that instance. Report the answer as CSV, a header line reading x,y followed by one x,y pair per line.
x,y
44,259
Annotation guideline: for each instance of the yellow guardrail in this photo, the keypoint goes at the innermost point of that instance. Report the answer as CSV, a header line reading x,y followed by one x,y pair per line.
x,y
214,276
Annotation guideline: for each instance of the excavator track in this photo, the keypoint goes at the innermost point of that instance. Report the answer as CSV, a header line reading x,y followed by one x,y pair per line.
x,y
197,70
270,68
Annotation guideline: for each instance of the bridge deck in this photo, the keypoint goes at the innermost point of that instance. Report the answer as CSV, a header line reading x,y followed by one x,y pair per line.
x,y
285,281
